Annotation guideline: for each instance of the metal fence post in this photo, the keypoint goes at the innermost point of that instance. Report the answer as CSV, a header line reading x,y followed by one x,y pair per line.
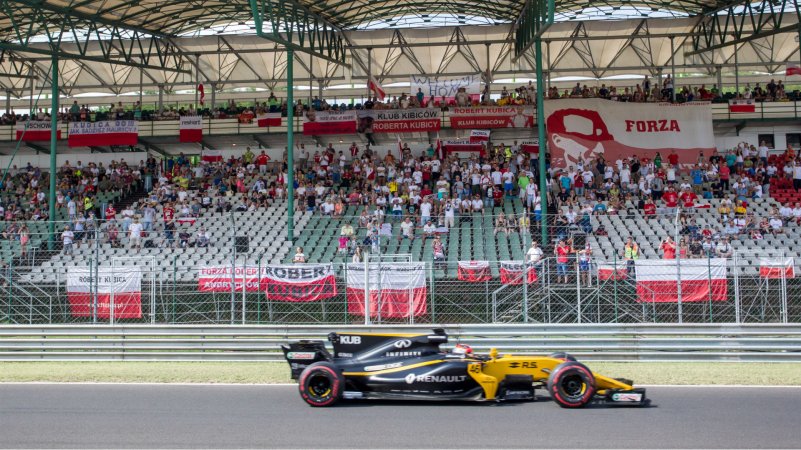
x,y
578,293
709,284
785,314
433,296
367,312
93,280
736,289
678,287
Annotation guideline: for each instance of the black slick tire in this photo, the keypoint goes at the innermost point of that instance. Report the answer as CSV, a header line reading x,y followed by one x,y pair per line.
x,y
563,356
571,385
321,384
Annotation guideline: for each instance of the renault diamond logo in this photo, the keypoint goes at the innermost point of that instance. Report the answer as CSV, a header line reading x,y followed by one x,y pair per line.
x,y
410,378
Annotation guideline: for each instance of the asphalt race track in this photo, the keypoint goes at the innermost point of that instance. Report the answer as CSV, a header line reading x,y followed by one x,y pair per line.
x,y
93,416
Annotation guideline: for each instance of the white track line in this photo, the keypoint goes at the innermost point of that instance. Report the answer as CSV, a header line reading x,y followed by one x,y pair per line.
x,y
112,383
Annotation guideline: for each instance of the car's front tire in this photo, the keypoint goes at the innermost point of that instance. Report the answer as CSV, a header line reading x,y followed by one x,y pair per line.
x,y
321,384
564,356
571,385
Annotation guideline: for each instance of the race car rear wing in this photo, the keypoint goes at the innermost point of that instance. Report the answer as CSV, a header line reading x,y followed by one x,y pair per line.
x,y
302,354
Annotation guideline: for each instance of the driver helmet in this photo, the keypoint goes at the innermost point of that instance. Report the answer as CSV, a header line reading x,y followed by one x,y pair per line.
x,y
462,349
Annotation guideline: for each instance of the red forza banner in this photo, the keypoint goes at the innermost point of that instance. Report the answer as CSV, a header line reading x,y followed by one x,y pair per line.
x,y
191,129
493,117
582,128
474,271
299,282
35,130
269,120
512,273
218,279
396,290
316,123
119,289
701,280
532,146
103,133
413,120
777,268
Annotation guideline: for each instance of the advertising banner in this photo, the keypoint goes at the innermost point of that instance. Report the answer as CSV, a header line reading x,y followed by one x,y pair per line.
x,y
103,133
122,284
582,128
397,290
413,120
445,86
317,123
191,129
493,117
35,131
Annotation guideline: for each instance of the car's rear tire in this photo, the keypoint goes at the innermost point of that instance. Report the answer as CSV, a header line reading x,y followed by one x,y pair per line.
x,y
321,384
571,385
564,356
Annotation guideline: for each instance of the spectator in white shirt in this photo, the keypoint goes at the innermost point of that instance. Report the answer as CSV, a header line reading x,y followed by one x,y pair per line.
x,y
776,225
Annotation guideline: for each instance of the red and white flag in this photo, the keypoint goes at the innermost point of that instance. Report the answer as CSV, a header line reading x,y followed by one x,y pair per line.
x,y
218,279
191,129
742,105
792,69
376,87
438,149
121,286
479,136
400,147
532,146
512,272
777,268
610,271
397,290
299,282
103,133
474,271
202,91
269,120
208,155
701,280
35,130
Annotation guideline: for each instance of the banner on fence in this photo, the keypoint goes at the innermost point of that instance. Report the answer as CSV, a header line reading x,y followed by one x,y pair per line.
x,y
414,120
269,120
700,280
512,272
191,129
299,282
35,131
463,146
211,155
583,128
493,117
612,271
397,290
742,105
103,133
777,268
218,279
445,86
329,122
531,146
123,285
474,271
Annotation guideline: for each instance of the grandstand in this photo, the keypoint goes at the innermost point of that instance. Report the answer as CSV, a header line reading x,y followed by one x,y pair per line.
x,y
349,131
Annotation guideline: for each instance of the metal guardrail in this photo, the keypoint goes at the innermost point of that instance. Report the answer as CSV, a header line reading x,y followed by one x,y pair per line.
x,y
607,342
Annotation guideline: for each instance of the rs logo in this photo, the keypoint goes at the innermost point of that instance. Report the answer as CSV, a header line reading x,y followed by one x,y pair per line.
x,y
403,343
350,339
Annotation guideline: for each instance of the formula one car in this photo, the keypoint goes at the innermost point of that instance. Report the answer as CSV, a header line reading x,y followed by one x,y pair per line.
x,y
411,366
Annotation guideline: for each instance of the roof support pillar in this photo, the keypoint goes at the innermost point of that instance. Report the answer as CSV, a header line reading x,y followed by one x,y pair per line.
x,y
541,140
8,101
673,69
161,99
290,147
719,75
736,73
369,69
53,145
213,96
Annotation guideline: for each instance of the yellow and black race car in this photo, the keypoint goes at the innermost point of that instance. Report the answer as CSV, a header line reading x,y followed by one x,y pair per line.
x,y
412,366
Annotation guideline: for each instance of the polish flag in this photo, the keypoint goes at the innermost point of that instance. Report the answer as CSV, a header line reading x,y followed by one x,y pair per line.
x,y
35,130
612,272
479,136
777,268
120,286
474,271
396,290
191,129
792,69
701,280
202,91
743,105
438,149
400,147
269,120
512,273
211,155
376,87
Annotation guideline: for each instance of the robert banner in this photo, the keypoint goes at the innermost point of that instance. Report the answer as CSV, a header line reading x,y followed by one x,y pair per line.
x,y
191,129
445,86
317,123
103,133
396,290
583,128
299,282
413,120
121,286
463,146
35,130
493,117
